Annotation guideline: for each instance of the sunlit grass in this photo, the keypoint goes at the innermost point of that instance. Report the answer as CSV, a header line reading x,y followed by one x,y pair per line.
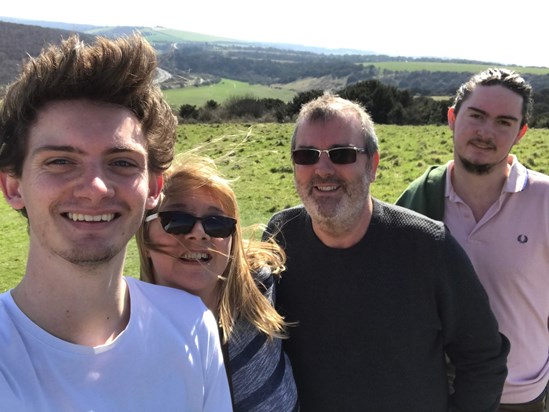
x,y
220,92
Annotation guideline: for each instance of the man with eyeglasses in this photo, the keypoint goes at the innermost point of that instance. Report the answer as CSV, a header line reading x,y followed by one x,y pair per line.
x,y
379,293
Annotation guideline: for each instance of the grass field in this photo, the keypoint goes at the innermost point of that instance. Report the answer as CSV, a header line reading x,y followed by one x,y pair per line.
x,y
225,89
412,66
256,157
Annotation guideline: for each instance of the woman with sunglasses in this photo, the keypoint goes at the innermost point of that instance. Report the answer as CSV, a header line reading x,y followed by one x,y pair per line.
x,y
193,241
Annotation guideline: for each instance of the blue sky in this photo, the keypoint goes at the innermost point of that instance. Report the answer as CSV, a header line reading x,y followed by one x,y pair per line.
x,y
468,29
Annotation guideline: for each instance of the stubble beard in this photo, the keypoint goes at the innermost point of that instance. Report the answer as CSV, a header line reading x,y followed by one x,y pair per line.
x,y
337,215
475,168
480,169
89,258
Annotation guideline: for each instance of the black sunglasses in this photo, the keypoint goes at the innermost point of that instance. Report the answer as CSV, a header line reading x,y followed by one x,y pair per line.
x,y
338,155
181,223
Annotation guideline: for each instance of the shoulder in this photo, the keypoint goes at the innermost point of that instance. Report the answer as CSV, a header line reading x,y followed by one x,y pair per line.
x,y
404,219
426,193
538,180
15,331
522,179
286,221
148,289
263,274
433,175
170,302
169,312
414,236
5,319
4,298
9,312
407,228
289,215
264,279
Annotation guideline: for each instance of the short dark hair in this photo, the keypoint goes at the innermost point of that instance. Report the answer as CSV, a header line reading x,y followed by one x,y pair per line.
x,y
509,79
331,106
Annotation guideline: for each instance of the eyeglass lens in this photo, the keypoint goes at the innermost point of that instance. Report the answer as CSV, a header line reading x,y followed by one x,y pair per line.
x,y
338,155
180,223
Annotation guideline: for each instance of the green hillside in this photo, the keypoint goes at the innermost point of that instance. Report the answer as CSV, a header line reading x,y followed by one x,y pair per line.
x,y
412,66
225,89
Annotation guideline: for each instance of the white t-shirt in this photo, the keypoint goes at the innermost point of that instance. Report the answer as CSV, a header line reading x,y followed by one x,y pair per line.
x,y
167,359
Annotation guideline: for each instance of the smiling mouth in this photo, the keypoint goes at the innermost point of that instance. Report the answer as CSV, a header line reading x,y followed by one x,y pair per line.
x,y
79,217
330,188
196,257
482,146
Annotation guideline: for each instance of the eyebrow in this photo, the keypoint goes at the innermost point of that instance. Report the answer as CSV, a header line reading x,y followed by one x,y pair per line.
x,y
334,146
507,117
72,149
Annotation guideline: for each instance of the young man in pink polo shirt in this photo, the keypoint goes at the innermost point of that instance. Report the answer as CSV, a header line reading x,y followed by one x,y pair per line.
x,y
498,210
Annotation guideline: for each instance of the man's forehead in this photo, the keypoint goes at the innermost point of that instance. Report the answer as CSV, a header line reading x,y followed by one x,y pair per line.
x,y
494,99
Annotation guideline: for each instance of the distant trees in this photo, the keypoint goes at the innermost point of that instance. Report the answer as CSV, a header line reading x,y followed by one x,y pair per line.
x,y
386,104
299,100
19,41
241,108
380,100
188,111
540,116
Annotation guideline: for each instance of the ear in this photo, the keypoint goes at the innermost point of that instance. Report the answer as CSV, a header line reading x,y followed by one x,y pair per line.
x,y
374,162
10,189
451,118
156,183
521,133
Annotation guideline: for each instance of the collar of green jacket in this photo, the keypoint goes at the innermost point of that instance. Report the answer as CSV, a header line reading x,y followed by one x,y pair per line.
x,y
426,194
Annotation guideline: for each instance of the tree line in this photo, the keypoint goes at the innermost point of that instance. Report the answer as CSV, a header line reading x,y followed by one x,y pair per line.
x,y
386,104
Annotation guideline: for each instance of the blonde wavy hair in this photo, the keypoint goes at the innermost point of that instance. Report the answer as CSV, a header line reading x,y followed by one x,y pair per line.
x,y
240,295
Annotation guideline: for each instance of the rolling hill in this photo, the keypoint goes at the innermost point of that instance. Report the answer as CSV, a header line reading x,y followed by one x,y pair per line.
x,y
188,55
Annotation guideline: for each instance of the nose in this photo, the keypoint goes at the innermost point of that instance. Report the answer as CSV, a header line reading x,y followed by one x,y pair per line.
x,y
197,232
94,184
486,129
324,167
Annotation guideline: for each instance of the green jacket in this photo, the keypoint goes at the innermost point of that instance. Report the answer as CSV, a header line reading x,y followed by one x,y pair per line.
x,y
426,194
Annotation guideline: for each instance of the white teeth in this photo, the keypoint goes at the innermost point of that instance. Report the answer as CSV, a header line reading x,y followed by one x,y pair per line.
x,y
79,217
195,256
326,188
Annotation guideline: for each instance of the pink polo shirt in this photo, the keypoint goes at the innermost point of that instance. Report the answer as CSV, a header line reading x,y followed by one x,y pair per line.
x,y
509,248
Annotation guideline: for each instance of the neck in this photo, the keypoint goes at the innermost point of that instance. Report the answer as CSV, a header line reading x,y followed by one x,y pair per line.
x,y
79,305
479,191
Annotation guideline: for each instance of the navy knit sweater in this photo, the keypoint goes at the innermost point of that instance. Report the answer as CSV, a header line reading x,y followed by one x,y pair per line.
x,y
376,319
